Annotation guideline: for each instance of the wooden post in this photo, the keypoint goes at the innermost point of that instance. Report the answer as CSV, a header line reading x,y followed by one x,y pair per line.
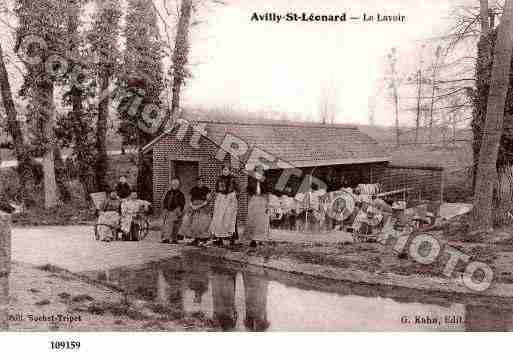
x,y
5,268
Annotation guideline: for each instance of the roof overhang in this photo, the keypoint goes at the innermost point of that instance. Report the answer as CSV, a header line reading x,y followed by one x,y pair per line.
x,y
334,162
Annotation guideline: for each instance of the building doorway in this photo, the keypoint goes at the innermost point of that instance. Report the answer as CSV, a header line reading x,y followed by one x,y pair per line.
x,y
187,172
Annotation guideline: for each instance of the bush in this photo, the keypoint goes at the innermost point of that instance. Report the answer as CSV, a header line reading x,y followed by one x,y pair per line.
x,y
64,214
9,185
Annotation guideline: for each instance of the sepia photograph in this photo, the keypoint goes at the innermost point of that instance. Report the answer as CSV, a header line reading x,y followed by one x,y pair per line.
x,y
255,166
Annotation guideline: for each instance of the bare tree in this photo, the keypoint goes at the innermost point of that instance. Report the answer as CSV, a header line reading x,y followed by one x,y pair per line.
x,y
328,103
394,86
434,87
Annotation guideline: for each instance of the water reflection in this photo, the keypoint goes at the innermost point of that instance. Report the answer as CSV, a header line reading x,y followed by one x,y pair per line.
x,y
197,281
223,293
253,300
255,294
170,289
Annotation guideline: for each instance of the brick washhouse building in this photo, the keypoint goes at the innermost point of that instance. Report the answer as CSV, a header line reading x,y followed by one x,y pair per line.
x,y
336,154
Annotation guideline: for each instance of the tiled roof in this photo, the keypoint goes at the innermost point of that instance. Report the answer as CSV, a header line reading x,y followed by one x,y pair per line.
x,y
302,143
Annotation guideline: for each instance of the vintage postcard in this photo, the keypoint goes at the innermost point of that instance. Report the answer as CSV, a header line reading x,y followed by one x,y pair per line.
x,y
271,165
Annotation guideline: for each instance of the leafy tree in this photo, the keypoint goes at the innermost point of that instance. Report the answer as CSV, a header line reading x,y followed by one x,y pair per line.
x,y
179,71
24,168
141,85
42,19
75,128
103,39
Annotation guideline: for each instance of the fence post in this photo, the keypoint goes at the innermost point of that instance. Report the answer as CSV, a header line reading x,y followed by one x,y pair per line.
x,y
5,268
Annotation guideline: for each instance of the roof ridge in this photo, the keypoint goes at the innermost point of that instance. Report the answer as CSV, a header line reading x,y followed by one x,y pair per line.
x,y
281,124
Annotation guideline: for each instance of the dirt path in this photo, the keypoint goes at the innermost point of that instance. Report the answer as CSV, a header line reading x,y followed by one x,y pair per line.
x,y
73,248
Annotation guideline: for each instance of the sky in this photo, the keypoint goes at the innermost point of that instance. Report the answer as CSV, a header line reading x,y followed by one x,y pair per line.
x,y
284,67
267,66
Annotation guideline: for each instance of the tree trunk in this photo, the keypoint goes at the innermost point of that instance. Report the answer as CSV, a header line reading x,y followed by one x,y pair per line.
x,y
396,116
49,155
101,134
433,93
419,95
14,130
61,176
482,86
486,172
5,269
180,58
504,199
44,110
485,31
82,150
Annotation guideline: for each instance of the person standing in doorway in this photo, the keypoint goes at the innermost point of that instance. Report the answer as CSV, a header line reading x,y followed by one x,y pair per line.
x,y
122,188
173,206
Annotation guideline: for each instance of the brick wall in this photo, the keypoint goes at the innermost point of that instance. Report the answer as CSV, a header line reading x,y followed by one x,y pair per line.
x,y
170,148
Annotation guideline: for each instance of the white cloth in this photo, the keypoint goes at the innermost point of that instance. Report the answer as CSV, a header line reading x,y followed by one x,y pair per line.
x,y
225,215
287,203
129,209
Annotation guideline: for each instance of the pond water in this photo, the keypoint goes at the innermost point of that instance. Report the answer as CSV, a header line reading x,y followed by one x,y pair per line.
x,y
249,298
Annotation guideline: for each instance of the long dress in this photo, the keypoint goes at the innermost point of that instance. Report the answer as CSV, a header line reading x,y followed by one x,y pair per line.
x,y
196,221
225,215
257,227
108,219
224,219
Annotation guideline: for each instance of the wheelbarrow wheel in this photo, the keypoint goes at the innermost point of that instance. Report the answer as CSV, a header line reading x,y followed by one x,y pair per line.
x,y
113,231
144,229
96,233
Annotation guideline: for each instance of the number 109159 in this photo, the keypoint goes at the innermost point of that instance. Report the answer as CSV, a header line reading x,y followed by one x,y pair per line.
x,y
65,345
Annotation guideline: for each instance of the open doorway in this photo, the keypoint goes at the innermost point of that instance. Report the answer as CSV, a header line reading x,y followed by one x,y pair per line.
x,y
187,172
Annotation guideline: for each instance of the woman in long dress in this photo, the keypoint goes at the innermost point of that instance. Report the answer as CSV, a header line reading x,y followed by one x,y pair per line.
x,y
224,219
257,227
196,221
109,218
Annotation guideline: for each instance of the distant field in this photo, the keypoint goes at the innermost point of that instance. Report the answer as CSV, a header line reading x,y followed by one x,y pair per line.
x,y
455,157
387,134
451,159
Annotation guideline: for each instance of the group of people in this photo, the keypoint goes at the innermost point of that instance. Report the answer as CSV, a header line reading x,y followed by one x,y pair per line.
x,y
119,211
213,214
208,215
